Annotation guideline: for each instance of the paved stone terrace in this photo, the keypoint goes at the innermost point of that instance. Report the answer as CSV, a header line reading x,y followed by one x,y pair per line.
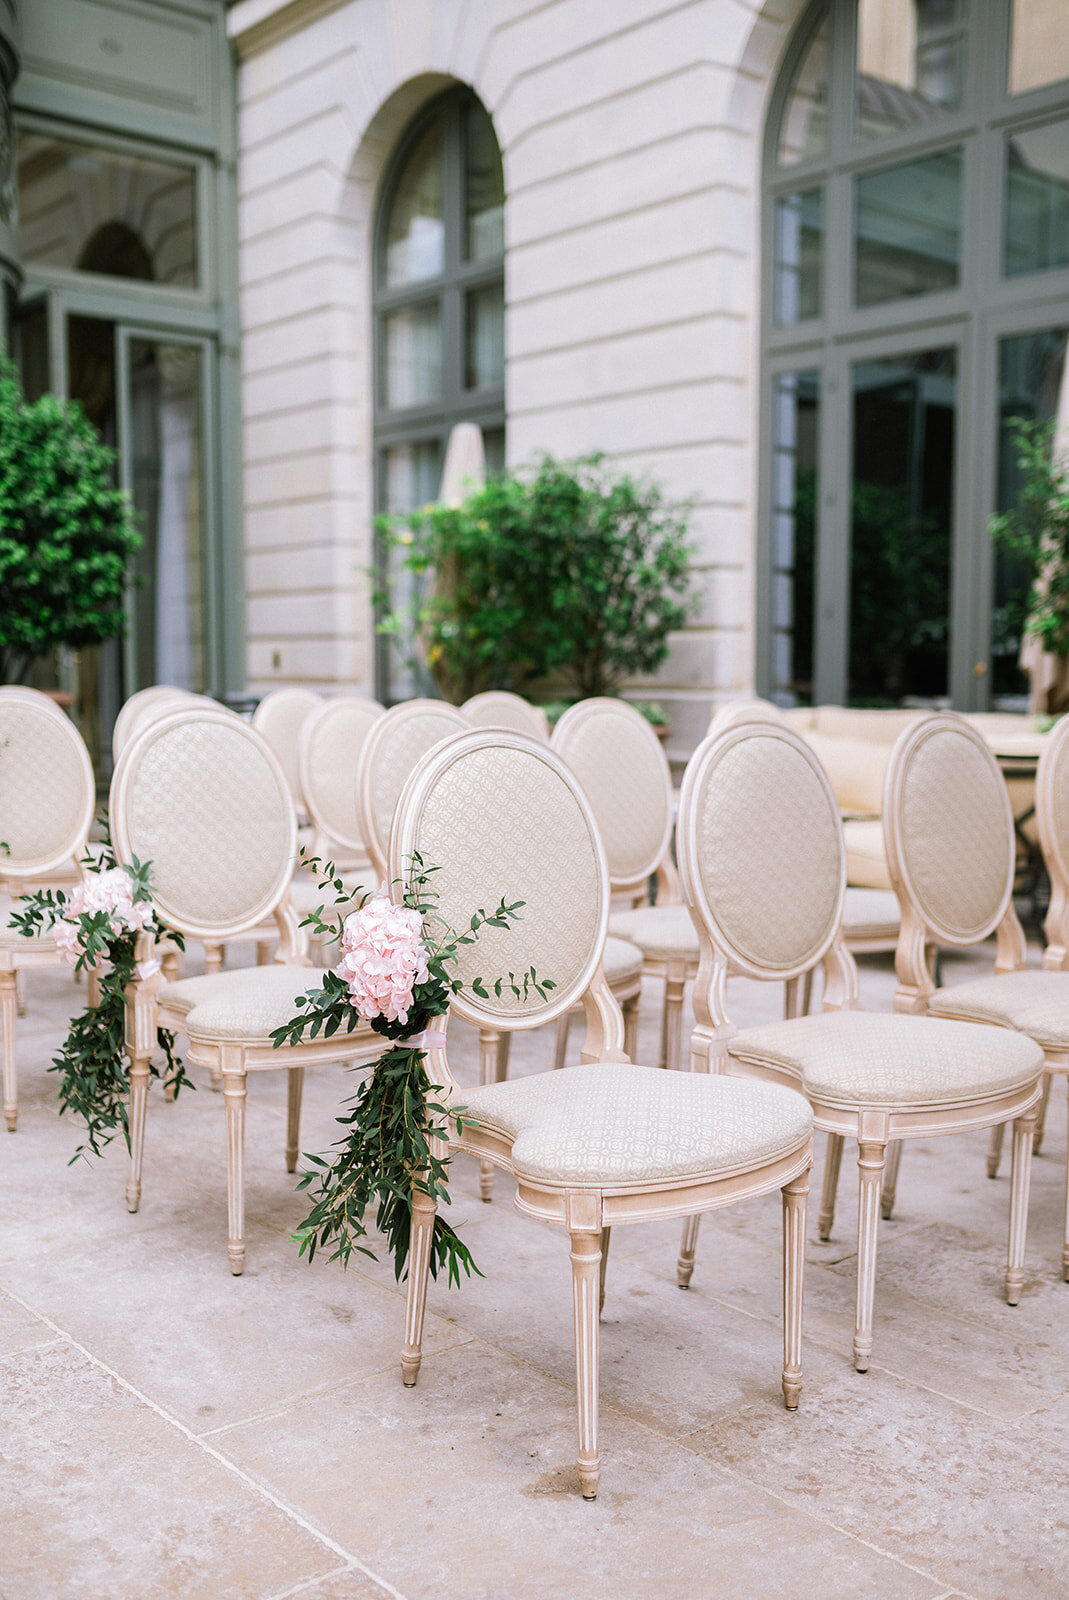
x,y
168,1430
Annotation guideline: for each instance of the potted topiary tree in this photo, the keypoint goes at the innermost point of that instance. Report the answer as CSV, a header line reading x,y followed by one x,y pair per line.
x,y
67,534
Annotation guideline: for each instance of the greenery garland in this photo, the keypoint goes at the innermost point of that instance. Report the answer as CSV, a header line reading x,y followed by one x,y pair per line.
x,y
395,1114
92,1063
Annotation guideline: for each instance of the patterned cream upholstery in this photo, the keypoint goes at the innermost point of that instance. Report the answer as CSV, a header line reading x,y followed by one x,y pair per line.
x,y
134,713
200,796
866,856
1035,1003
853,1058
616,1123
871,914
279,717
47,790
247,1004
767,849
497,708
735,711
501,819
331,739
1052,806
618,759
664,932
621,961
394,746
949,828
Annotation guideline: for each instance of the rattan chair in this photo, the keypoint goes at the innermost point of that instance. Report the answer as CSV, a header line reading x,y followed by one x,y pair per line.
x,y
280,717
763,867
47,796
951,853
603,1143
621,765
498,708
200,795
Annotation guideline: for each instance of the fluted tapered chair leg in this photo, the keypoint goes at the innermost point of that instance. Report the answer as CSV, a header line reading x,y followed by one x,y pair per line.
x,y
606,1234
294,1097
489,1059
8,1014
794,1210
688,1246
235,1093
890,1179
586,1254
672,1019
870,1163
1041,1115
20,990
139,1076
994,1149
833,1160
1020,1182
630,1011
421,1239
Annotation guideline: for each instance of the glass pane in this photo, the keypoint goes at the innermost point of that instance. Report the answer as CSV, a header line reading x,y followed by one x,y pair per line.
x,y
1039,47
796,425
484,223
908,221
799,256
1033,388
413,350
90,209
904,413
1037,200
485,348
910,61
415,229
803,131
494,449
168,490
410,477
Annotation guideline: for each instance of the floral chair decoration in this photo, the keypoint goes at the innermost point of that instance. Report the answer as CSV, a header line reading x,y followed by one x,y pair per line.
x,y
47,796
200,796
763,867
621,764
951,853
606,1142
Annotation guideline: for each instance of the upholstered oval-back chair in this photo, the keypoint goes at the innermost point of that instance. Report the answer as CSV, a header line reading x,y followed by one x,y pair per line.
x,y
200,795
329,746
394,745
618,759
763,866
499,708
143,706
280,717
951,853
593,1145
47,795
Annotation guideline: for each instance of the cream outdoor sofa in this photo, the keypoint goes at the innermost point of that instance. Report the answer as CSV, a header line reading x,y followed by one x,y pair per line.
x,y
763,868
600,1144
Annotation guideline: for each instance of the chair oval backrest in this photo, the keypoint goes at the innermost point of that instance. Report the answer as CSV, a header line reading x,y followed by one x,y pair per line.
x,y
618,759
201,796
948,829
1052,800
760,849
396,743
47,789
736,711
498,708
502,817
131,709
329,747
279,717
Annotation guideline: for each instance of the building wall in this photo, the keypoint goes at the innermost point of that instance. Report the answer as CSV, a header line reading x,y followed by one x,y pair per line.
x,y
631,141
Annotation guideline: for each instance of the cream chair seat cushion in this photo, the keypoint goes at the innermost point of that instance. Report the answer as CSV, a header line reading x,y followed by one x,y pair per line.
x,y
866,857
665,933
1035,1003
247,1004
615,1123
871,914
621,961
862,1058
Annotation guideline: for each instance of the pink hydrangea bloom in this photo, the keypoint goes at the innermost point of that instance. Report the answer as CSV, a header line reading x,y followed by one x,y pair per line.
x,y
383,958
111,891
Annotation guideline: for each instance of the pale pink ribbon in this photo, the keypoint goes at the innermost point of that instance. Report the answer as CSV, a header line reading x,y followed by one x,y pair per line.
x,y
429,1039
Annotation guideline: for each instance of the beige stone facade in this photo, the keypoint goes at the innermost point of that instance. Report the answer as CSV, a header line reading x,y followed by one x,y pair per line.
x,y
631,141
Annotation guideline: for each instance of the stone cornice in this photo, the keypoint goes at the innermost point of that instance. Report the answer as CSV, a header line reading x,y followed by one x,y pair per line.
x,y
254,25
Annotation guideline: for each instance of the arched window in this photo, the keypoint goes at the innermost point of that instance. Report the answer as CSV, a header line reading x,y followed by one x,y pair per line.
x,y
915,300
439,308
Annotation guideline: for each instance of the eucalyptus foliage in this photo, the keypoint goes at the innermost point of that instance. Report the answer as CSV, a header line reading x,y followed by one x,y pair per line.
x,y
67,534
1036,531
92,1062
395,1118
570,571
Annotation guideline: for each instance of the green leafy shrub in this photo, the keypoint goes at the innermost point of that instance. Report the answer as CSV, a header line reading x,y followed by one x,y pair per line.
x,y
568,572
66,533
1036,532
